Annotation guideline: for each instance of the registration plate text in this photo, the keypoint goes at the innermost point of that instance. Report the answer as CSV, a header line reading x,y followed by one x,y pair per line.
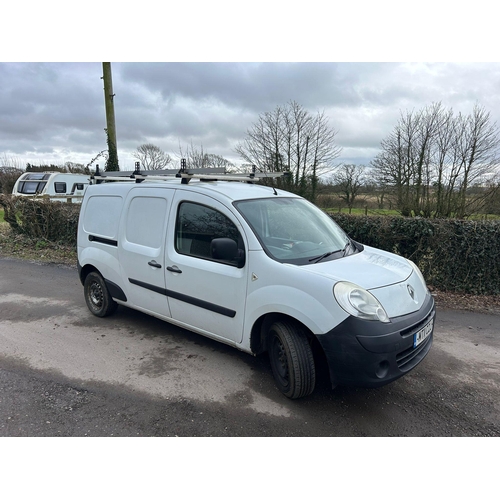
x,y
422,334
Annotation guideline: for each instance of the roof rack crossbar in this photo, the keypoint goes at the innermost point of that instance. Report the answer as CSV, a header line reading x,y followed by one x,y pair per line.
x,y
203,174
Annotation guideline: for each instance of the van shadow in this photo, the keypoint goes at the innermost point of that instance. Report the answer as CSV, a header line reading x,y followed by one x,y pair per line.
x,y
144,326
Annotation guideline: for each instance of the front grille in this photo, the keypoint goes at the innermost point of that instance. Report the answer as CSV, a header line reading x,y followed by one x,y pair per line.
x,y
409,358
407,332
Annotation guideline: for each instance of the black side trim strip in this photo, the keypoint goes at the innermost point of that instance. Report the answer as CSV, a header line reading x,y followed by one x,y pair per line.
x,y
113,243
148,286
201,303
186,298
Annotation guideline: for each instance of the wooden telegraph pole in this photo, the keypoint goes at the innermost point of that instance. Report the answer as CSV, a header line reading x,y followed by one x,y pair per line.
x,y
112,162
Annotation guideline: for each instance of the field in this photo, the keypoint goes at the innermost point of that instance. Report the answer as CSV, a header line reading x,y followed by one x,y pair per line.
x,y
361,211
395,213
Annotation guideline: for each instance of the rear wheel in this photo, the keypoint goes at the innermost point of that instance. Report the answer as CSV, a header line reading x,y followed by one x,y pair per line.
x,y
292,360
97,297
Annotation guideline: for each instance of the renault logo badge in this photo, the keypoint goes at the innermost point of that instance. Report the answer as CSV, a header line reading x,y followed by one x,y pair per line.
x,y
411,291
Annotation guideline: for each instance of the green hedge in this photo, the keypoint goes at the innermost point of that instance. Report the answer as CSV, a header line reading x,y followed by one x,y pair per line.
x,y
42,219
454,255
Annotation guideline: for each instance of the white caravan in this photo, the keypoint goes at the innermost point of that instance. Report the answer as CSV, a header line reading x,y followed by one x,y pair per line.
x,y
57,186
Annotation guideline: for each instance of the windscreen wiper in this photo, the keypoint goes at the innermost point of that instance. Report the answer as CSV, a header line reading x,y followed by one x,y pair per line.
x,y
327,254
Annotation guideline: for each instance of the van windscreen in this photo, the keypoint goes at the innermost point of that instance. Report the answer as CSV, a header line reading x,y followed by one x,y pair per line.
x,y
292,230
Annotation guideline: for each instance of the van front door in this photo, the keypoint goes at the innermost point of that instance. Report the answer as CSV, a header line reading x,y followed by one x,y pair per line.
x,y
141,249
205,292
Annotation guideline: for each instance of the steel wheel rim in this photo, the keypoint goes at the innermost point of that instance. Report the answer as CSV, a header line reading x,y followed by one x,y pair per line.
x,y
280,360
96,295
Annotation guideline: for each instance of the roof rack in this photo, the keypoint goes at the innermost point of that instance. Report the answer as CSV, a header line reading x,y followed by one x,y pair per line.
x,y
185,174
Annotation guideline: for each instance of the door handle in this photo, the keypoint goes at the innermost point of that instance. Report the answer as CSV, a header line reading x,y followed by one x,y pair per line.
x,y
153,263
174,269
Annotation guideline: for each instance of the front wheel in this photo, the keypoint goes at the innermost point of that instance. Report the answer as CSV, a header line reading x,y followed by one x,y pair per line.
x,y
97,297
292,360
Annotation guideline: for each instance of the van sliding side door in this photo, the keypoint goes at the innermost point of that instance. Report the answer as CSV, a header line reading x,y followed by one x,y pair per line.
x,y
142,249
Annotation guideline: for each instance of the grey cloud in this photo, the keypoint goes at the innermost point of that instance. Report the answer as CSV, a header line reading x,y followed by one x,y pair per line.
x,y
255,86
58,108
44,103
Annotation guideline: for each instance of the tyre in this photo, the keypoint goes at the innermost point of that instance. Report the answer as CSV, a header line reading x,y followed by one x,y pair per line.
x,y
97,297
292,360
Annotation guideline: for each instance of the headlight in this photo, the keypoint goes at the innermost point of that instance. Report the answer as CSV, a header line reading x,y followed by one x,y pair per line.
x,y
358,302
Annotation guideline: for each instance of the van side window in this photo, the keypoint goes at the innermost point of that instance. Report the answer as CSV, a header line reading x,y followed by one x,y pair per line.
x,y
146,221
60,187
101,216
196,227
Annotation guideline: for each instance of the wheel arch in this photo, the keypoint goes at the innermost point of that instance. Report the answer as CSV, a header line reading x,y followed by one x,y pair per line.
x,y
84,271
258,340
258,337
114,290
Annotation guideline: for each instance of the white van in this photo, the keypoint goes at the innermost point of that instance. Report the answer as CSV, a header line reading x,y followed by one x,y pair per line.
x,y
258,268
56,185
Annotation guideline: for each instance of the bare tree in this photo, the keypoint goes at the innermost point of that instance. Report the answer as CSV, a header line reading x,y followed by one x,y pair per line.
x,y
151,157
11,162
217,161
445,159
392,167
432,159
198,158
74,168
11,169
478,153
292,139
348,180
194,157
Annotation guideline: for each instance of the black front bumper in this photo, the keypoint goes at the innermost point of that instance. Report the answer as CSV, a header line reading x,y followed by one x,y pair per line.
x,y
371,353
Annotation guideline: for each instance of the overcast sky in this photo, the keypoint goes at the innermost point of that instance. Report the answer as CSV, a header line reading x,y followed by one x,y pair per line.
x,y
54,112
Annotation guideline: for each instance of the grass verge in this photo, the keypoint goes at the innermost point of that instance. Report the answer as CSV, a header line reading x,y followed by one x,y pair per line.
x,y
22,247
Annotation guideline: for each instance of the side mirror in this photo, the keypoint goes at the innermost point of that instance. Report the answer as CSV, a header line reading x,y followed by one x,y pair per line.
x,y
227,250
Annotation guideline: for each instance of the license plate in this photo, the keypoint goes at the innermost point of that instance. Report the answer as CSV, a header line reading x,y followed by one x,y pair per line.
x,y
422,334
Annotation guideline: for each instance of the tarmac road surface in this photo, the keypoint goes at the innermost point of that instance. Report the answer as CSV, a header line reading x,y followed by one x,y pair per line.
x,y
64,372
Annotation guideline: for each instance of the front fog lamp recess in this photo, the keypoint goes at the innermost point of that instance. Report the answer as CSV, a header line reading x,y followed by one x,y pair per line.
x,y
358,302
